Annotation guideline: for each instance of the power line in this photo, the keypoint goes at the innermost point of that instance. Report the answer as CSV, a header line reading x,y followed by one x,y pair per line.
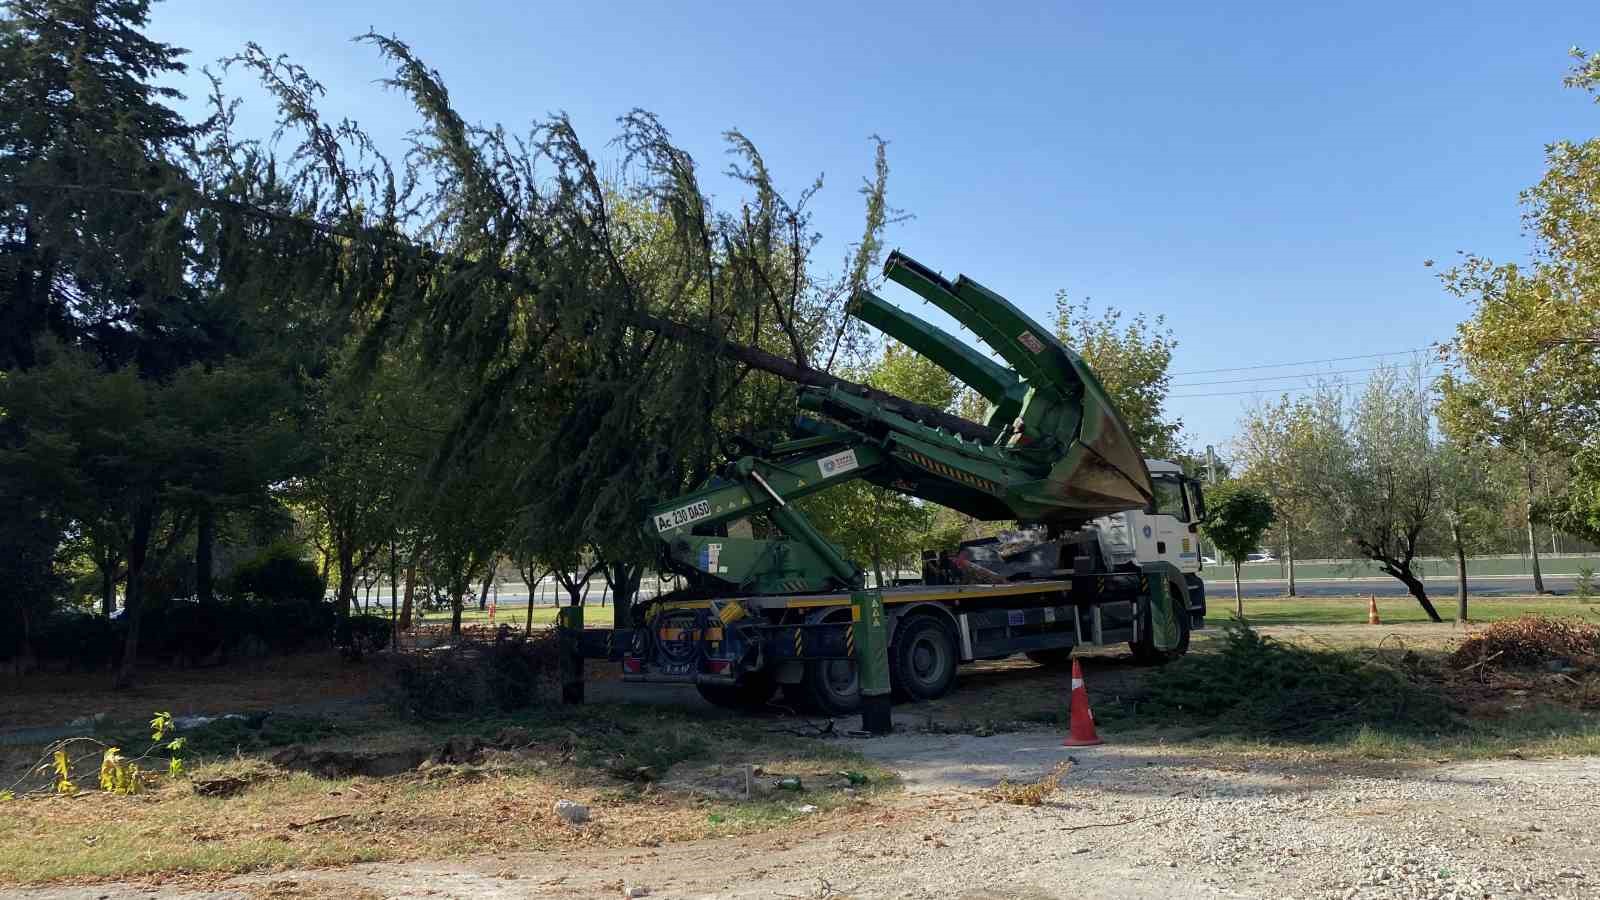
x,y
1304,362
1283,377
1267,390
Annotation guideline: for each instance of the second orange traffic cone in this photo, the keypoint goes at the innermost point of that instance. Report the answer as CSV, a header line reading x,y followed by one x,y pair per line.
x,y
1372,610
1080,731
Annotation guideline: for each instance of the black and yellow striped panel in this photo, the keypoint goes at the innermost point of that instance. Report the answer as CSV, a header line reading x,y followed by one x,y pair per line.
x,y
952,473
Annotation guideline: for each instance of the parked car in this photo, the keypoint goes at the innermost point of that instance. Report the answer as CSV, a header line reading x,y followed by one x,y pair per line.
x,y
1208,560
1261,557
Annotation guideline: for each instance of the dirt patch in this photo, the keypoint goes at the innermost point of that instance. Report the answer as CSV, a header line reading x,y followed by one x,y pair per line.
x,y
334,764
1132,821
281,684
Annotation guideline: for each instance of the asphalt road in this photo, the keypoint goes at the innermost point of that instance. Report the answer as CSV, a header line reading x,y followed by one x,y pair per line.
x,y
1220,584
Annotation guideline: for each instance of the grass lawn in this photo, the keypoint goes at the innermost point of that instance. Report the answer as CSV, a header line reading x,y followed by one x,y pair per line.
x,y
1392,610
648,775
1428,568
515,616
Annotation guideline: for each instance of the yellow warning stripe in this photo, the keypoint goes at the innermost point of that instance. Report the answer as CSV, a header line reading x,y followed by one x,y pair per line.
x,y
954,474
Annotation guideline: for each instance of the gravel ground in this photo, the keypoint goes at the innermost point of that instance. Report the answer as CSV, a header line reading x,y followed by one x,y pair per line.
x,y
1128,822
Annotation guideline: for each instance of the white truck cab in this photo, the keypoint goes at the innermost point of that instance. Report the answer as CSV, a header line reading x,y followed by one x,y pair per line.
x,y
1165,531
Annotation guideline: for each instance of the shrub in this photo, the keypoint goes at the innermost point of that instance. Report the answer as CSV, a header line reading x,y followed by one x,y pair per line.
x,y
1267,689
370,632
82,639
278,575
1528,642
1585,583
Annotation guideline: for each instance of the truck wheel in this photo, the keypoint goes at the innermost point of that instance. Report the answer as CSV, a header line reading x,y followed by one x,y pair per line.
x,y
1054,658
830,687
1144,649
923,658
751,693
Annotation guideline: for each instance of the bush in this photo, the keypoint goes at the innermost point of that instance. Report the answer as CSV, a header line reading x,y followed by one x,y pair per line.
x,y
1528,642
370,632
81,639
278,575
474,679
1271,690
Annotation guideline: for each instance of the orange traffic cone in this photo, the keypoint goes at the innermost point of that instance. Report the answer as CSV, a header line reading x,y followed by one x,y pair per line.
x,y
1372,610
1081,731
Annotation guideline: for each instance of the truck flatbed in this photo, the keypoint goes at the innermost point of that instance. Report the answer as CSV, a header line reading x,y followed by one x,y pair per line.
x,y
912,593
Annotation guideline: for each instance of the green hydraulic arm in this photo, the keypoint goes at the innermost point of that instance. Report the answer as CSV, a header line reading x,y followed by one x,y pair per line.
x,y
1063,455
998,384
753,486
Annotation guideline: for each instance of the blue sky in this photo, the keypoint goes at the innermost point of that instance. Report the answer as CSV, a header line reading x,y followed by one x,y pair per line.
x,y
1269,179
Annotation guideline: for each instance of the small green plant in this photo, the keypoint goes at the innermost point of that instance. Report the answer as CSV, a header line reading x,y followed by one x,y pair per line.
x,y
1585,584
160,727
119,774
63,770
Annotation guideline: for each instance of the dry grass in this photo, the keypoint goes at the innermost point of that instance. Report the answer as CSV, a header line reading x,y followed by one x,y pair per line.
x,y
262,816
1030,793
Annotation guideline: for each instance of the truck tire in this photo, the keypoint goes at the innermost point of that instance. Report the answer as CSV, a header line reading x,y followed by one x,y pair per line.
x,y
830,687
1054,658
922,659
1144,649
751,693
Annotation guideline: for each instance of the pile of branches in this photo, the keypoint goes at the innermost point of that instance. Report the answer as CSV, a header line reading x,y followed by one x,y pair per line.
x,y
1531,642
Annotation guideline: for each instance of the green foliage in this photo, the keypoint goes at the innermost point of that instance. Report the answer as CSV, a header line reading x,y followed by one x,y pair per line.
x,y
62,767
906,373
118,774
1132,359
1526,377
880,528
1585,585
1268,690
279,574
1238,516
1276,444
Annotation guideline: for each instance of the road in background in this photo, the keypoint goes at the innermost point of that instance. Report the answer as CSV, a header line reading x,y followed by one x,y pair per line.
x,y
1219,585
1429,567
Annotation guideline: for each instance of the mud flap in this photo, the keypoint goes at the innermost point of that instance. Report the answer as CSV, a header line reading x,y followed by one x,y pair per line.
x,y
1164,632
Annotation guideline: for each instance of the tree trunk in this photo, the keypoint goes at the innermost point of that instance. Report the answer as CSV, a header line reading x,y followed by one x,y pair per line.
x,y
205,537
1238,592
1288,552
1461,571
483,591
458,595
411,583
347,589
108,587
528,629
394,595
133,604
624,580
1533,553
1533,546
1415,586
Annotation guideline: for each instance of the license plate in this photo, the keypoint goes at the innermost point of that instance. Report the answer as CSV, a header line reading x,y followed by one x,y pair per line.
x,y
683,515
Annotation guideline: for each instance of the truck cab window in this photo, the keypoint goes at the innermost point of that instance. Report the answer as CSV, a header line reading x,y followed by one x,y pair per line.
x,y
1169,497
